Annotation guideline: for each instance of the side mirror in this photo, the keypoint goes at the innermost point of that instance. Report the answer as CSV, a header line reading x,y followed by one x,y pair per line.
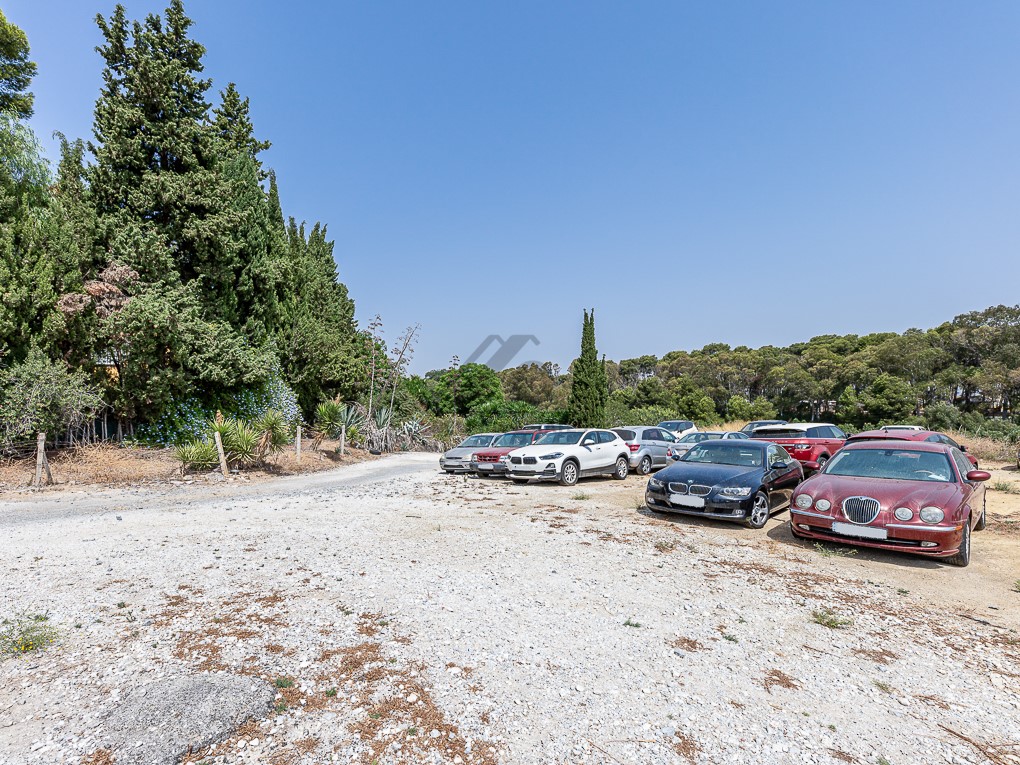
x,y
963,449
978,475
588,442
779,466
812,465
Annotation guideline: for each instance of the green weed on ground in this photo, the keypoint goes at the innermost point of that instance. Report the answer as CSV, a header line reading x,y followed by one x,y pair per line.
x,y
26,633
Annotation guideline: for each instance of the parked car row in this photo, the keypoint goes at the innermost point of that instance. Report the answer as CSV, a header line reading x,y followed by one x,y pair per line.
x,y
905,489
896,488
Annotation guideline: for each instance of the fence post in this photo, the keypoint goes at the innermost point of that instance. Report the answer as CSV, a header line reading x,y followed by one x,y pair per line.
x,y
297,443
343,438
40,458
223,457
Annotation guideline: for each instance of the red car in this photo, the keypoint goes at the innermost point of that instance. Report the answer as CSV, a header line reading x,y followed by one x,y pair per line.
x,y
903,434
492,461
805,441
914,496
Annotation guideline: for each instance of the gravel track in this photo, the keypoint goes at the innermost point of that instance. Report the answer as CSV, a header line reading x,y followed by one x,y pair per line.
x,y
405,616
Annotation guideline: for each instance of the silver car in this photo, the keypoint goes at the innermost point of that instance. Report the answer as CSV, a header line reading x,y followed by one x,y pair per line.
x,y
458,459
684,444
648,446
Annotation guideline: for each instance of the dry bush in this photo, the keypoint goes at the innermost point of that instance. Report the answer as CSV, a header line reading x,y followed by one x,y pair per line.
x,y
984,448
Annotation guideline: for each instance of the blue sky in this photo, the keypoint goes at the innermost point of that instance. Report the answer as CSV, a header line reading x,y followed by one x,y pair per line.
x,y
749,173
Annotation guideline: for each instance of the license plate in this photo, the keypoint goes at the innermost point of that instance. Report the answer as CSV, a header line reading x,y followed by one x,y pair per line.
x,y
685,500
864,532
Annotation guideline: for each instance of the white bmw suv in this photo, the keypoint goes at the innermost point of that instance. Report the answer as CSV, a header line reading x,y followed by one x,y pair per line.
x,y
566,455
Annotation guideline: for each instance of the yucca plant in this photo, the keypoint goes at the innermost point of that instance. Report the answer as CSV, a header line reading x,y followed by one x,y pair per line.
x,y
382,417
241,443
197,454
273,434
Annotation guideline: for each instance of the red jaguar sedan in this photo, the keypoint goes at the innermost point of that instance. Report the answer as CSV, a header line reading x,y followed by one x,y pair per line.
x,y
910,434
913,496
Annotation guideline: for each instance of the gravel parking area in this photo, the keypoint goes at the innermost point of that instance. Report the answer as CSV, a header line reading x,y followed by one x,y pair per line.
x,y
385,612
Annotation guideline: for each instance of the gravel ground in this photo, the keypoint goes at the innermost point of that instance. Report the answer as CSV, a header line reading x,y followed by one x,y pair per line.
x,y
386,613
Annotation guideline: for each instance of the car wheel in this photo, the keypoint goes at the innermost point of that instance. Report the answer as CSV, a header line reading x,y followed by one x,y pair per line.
x,y
759,515
962,557
646,465
568,473
983,520
622,468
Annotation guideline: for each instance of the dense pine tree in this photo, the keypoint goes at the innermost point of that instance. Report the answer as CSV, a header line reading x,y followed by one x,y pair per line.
x,y
589,390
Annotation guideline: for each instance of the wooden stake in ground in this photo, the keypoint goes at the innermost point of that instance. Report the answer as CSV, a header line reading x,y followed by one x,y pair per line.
x,y
297,443
223,457
41,463
343,438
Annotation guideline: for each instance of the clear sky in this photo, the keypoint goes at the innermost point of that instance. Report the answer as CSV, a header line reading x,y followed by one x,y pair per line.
x,y
750,173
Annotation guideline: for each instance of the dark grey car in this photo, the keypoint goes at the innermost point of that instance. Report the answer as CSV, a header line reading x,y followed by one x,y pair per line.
x,y
648,446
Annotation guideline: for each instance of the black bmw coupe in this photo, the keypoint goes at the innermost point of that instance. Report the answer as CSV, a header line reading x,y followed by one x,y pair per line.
x,y
743,481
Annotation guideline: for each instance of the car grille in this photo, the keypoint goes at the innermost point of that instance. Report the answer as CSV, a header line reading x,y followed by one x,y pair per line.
x,y
697,490
530,461
488,458
515,460
861,510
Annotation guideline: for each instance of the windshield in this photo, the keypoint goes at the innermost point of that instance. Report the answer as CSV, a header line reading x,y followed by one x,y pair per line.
x,y
513,439
694,438
473,441
676,424
722,453
561,437
899,464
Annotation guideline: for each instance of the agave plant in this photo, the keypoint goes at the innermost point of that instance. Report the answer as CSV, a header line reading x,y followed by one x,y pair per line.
x,y
382,417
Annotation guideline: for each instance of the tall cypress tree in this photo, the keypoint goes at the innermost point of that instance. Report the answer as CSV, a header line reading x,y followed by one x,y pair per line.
x,y
589,391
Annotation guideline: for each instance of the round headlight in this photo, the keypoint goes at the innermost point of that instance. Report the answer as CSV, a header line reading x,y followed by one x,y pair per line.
x,y
803,501
823,505
903,513
932,515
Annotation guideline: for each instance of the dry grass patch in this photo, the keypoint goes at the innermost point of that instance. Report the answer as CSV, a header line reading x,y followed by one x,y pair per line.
x,y
878,656
686,644
686,747
776,677
99,757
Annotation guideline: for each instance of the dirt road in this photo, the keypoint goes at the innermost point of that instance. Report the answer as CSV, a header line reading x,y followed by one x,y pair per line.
x,y
385,612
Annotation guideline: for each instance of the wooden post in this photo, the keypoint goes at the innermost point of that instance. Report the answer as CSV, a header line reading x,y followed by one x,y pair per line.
x,y
343,438
223,457
40,457
297,443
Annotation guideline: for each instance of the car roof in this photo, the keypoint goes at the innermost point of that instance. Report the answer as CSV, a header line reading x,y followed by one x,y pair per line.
x,y
795,426
902,445
895,434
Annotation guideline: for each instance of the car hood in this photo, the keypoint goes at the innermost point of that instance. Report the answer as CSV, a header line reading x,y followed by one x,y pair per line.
x,y
461,451
891,493
709,474
498,451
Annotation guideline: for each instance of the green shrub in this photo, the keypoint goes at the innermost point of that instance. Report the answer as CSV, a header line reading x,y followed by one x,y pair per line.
x,y
197,454
26,633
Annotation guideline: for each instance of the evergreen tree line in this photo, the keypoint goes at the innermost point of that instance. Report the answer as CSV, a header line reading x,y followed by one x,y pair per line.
x,y
963,374
155,266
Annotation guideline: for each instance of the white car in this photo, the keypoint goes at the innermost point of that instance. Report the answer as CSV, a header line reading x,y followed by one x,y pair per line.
x,y
678,428
566,455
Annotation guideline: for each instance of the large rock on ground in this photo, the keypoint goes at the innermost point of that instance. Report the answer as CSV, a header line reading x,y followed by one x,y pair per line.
x,y
157,723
